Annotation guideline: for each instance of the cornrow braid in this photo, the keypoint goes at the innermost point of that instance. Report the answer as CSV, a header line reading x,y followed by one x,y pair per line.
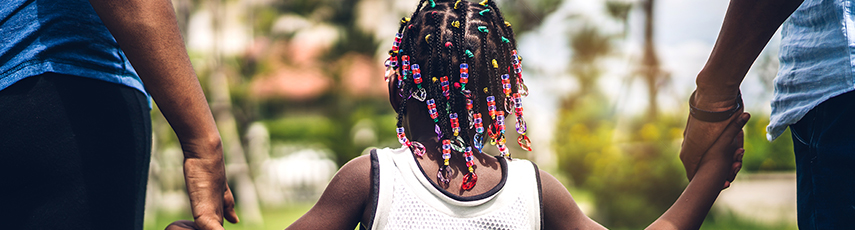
x,y
440,42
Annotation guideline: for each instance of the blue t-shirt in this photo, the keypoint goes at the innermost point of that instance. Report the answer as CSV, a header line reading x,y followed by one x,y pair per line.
x,y
817,56
59,36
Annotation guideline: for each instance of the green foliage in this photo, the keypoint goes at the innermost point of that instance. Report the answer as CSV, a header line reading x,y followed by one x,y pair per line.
x,y
760,154
527,14
633,171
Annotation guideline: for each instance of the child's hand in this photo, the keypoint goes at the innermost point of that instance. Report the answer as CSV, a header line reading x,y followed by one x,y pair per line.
x,y
182,225
727,150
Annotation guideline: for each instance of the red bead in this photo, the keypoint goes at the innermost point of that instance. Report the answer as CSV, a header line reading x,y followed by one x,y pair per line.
x,y
469,181
447,44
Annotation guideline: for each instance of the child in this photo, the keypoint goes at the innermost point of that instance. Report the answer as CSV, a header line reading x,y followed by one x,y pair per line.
x,y
454,76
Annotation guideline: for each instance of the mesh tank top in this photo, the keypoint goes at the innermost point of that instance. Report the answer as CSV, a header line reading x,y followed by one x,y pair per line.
x,y
404,197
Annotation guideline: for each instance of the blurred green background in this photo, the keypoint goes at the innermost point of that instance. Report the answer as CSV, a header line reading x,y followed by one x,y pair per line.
x,y
297,89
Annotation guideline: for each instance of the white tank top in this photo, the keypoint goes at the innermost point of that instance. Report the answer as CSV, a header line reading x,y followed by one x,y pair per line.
x,y
404,198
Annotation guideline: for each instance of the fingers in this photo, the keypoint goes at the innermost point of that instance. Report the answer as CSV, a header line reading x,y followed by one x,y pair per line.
x,y
735,167
734,129
229,206
182,225
208,223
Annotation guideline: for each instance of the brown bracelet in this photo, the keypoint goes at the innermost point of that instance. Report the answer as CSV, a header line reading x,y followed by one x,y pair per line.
x,y
710,116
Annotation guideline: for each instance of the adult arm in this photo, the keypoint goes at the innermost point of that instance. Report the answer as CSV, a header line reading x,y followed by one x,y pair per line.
x,y
747,28
147,31
689,211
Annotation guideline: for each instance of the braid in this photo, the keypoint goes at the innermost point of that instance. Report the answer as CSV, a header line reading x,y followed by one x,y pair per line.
x,y
441,36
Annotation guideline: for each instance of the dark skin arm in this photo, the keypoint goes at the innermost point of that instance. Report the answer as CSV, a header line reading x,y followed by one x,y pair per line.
x,y
747,28
148,33
342,204
344,200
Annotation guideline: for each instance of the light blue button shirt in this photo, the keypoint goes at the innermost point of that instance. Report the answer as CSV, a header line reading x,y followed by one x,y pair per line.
x,y
817,56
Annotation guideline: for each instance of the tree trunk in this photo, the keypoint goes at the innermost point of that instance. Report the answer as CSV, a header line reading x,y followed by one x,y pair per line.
x,y
221,107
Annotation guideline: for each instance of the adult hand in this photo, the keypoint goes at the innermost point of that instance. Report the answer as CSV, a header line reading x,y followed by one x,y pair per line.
x,y
182,225
210,196
700,135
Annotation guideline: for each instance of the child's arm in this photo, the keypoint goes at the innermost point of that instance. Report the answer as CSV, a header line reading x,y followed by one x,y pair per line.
x,y
340,207
343,202
689,211
561,212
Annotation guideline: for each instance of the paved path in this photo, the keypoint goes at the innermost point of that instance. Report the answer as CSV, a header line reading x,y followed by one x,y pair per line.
x,y
763,197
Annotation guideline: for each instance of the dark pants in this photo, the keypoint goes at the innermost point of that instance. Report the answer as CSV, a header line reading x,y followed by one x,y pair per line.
x,y
824,144
74,154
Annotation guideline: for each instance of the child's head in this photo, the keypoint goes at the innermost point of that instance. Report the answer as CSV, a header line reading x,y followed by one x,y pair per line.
x,y
458,59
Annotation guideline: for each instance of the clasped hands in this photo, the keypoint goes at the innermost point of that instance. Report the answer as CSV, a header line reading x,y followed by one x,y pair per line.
x,y
702,132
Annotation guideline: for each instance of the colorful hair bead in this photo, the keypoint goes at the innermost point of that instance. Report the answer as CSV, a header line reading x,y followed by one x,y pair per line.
x,y
418,148
524,142
483,29
445,86
479,125
469,54
464,74
521,87
518,109
500,121
402,137
446,151
393,61
506,85
405,62
397,43
417,73
470,159
484,3
431,104
455,124
503,149
484,11
491,106
470,178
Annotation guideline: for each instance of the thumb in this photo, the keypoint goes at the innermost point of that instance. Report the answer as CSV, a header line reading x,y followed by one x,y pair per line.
x,y
229,206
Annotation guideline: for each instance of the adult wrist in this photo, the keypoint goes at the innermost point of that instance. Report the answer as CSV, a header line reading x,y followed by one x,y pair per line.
x,y
716,115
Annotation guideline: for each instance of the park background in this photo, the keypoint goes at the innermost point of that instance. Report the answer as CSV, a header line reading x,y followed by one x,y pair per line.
x,y
297,89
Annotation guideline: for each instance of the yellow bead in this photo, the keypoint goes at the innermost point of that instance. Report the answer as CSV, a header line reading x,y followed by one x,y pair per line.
x,y
484,3
434,79
495,64
426,38
456,24
508,24
455,4
485,88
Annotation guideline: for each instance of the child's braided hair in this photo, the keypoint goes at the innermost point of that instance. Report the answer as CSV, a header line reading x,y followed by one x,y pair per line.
x,y
453,55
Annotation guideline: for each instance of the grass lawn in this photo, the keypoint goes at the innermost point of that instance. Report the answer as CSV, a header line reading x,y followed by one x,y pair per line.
x,y
273,218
